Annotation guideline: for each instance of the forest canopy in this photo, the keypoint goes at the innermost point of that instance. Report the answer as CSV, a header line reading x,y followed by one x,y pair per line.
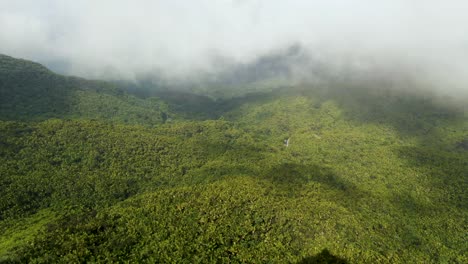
x,y
93,172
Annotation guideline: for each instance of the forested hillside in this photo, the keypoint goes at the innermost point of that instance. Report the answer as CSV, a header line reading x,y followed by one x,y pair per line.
x,y
90,173
30,92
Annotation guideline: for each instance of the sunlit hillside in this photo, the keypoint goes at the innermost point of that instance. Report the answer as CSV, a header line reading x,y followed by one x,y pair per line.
x,y
91,173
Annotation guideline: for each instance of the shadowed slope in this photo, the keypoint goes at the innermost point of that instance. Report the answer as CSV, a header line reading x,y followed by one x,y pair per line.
x,y
29,91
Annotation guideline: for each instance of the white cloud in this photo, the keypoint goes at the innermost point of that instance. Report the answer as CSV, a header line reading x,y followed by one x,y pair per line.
x,y
132,36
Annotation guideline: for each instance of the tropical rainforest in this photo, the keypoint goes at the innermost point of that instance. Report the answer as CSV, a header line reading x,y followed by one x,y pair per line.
x,y
335,172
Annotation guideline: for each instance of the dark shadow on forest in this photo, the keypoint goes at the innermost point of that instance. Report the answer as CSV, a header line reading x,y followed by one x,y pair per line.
x,y
188,104
201,107
324,257
296,174
291,177
447,170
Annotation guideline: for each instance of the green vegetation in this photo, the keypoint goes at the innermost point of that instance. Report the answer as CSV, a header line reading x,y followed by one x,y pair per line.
x,y
369,176
30,92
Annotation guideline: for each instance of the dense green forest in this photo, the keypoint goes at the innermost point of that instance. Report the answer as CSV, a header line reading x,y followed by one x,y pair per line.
x,y
91,173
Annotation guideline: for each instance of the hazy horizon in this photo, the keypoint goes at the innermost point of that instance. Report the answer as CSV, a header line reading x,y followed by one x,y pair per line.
x,y
125,39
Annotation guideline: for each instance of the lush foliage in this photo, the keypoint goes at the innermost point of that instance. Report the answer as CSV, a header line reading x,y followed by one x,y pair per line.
x,y
370,175
30,92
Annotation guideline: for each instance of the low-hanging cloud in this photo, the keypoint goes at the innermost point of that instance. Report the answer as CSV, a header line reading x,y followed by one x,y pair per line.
x,y
124,38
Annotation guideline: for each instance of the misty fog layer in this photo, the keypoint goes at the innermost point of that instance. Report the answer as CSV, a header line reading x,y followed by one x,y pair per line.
x,y
123,39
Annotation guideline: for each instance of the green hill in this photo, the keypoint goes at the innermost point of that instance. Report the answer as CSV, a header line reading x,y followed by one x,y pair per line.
x,y
370,175
29,91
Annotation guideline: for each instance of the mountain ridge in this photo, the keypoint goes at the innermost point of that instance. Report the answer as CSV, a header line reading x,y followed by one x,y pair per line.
x,y
29,91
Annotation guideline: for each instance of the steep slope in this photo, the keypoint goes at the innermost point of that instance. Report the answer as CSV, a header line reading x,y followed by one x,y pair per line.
x,y
29,91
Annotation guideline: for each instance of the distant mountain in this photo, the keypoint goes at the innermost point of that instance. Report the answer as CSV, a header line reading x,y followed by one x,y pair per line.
x,y
229,78
30,91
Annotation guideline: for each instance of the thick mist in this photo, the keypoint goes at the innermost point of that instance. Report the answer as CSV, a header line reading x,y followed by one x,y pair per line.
x,y
124,39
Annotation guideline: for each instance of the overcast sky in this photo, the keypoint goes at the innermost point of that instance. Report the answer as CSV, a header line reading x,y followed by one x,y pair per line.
x,y
96,38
